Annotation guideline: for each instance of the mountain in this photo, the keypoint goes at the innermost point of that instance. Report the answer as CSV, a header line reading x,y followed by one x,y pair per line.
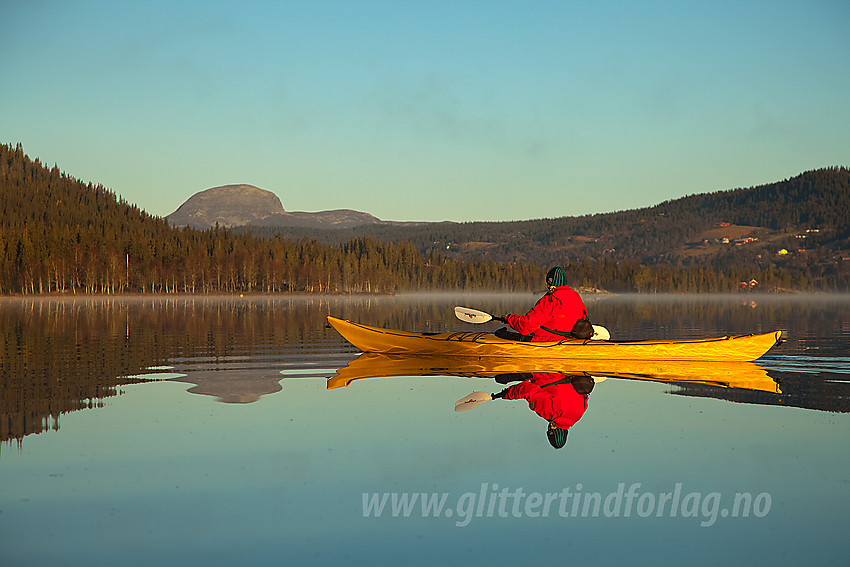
x,y
228,205
242,205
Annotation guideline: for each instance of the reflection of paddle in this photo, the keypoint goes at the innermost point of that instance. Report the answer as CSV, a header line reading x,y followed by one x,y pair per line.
x,y
478,398
468,315
472,400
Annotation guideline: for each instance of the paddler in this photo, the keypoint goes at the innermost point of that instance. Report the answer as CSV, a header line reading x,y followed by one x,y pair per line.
x,y
559,399
557,315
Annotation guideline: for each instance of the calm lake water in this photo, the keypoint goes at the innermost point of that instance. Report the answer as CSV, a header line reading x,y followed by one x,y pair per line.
x,y
202,431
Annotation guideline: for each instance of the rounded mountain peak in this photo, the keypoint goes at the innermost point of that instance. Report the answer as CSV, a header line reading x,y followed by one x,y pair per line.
x,y
228,205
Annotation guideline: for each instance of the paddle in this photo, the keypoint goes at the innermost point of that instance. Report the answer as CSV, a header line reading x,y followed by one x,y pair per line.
x,y
468,315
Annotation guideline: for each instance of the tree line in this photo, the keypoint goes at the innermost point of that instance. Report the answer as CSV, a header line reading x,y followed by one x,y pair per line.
x,y
61,235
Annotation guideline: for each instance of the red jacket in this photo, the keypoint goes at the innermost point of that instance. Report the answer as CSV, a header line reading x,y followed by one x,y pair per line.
x,y
558,310
559,403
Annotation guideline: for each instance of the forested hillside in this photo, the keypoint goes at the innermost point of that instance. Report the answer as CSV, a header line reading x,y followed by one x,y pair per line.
x,y
61,235
793,234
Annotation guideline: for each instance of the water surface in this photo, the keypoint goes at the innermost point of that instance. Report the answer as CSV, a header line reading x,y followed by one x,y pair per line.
x,y
202,431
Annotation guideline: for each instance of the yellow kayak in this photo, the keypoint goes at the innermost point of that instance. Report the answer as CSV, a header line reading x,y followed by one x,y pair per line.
x,y
477,344
744,375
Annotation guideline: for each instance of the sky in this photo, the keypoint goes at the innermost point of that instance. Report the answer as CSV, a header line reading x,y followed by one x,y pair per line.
x,y
458,110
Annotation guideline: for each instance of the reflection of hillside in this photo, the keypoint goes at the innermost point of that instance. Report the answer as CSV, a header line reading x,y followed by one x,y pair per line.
x,y
60,357
821,392
63,355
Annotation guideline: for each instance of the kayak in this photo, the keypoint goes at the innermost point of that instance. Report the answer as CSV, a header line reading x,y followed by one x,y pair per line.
x,y
481,344
739,375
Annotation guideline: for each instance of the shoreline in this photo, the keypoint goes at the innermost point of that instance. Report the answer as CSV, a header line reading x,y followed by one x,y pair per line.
x,y
590,295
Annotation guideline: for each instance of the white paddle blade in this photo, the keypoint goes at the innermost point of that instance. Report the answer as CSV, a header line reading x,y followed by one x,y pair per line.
x,y
472,400
600,333
472,315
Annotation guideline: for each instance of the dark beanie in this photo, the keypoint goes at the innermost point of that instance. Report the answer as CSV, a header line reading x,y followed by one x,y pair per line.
x,y
556,277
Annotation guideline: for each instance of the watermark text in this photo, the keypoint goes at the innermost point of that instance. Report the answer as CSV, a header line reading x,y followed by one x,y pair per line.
x,y
493,501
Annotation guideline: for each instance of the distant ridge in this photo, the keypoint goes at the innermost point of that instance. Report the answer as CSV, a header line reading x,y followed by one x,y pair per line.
x,y
242,205
799,226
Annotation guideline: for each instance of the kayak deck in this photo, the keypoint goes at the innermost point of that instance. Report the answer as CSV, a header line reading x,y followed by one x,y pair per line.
x,y
478,344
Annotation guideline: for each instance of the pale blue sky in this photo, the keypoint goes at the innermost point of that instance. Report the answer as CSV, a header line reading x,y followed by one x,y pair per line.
x,y
464,110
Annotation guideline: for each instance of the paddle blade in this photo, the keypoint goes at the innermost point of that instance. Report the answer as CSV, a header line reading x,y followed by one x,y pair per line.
x,y
600,333
472,315
472,400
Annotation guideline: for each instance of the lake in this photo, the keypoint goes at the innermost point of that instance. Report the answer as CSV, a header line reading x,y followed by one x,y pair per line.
x,y
211,431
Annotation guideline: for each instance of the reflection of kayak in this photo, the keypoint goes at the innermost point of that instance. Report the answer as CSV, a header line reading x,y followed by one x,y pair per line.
x,y
374,339
748,375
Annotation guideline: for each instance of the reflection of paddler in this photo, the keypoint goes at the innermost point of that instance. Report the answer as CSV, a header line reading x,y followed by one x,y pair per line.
x,y
559,399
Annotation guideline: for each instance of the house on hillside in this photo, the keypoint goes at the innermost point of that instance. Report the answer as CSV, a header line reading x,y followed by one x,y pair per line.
x,y
747,240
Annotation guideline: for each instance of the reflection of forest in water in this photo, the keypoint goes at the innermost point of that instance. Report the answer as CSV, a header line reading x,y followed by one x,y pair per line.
x,y
69,354
61,355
